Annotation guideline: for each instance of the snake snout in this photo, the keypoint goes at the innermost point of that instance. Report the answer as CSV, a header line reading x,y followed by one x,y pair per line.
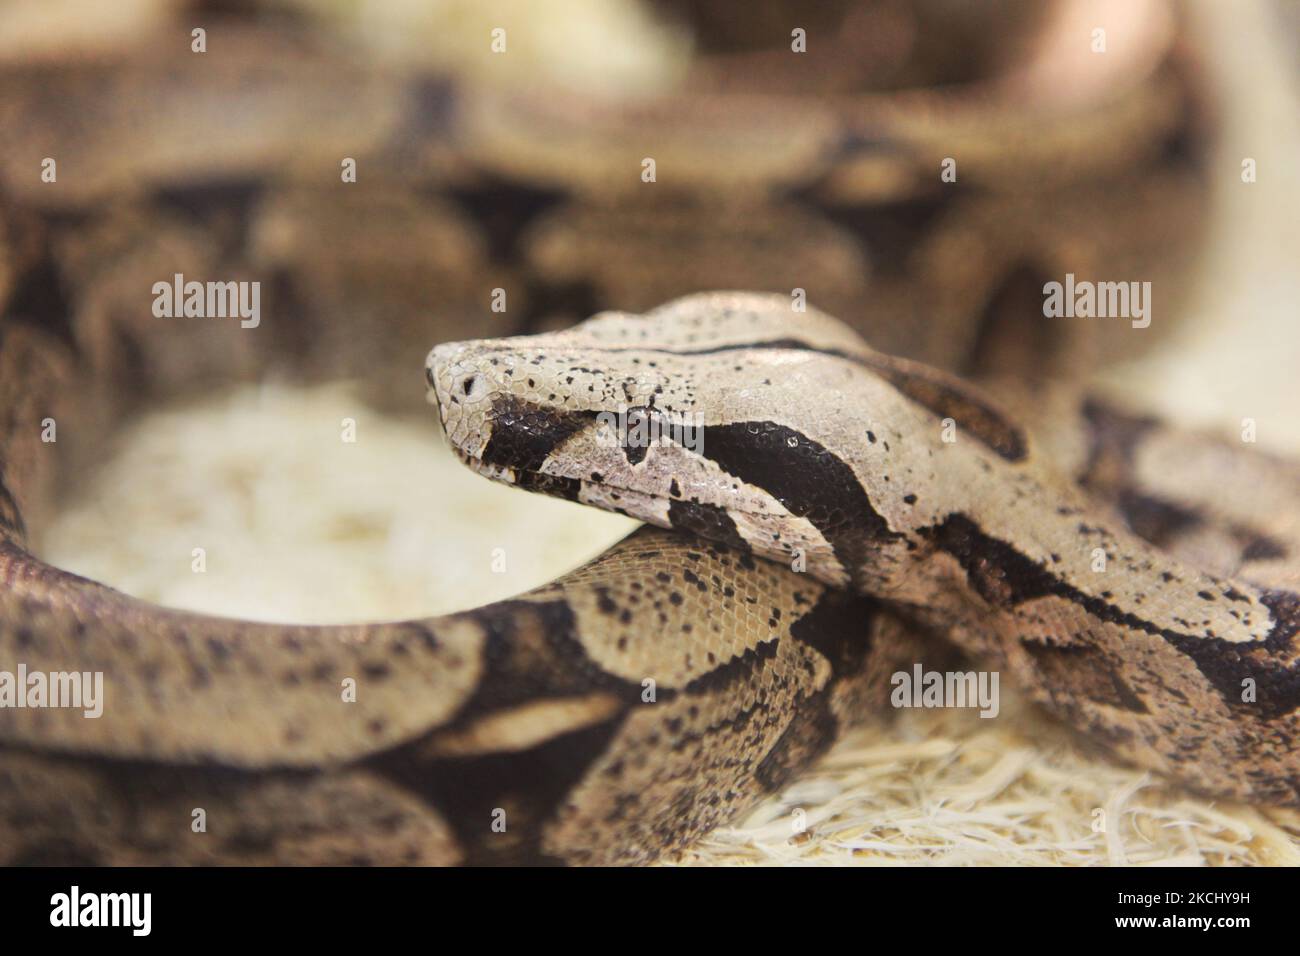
x,y
452,373
460,380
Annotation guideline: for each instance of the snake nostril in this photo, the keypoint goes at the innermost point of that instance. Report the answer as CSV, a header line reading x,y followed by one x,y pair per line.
x,y
472,387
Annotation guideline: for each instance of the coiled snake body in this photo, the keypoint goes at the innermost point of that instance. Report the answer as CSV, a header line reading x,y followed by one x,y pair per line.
x,y
813,447
639,701
534,711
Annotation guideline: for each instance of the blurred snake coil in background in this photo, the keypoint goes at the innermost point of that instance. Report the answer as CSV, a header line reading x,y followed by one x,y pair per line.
x,y
479,172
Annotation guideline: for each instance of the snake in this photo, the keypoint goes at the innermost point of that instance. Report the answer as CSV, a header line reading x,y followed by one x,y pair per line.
x,y
623,711
908,486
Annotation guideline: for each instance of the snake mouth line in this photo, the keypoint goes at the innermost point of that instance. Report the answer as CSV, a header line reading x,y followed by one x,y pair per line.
x,y
562,486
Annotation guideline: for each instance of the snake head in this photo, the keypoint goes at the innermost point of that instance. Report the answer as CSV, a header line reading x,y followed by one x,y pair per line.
x,y
685,417
621,390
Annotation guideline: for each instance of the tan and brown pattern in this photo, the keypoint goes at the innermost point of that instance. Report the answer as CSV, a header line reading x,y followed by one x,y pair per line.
x,y
531,708
522,731
888,480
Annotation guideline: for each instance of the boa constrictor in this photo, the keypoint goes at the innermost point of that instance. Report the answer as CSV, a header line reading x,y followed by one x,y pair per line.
x,y
518,731
523,731
786,437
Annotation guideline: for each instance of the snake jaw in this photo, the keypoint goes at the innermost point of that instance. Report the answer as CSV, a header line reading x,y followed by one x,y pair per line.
x,y
498,473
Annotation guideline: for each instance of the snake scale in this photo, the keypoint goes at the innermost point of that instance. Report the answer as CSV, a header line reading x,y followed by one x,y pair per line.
x,y
521,731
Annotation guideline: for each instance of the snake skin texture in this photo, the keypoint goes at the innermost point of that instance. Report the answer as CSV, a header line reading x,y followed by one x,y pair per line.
x,y
626,709
901,483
